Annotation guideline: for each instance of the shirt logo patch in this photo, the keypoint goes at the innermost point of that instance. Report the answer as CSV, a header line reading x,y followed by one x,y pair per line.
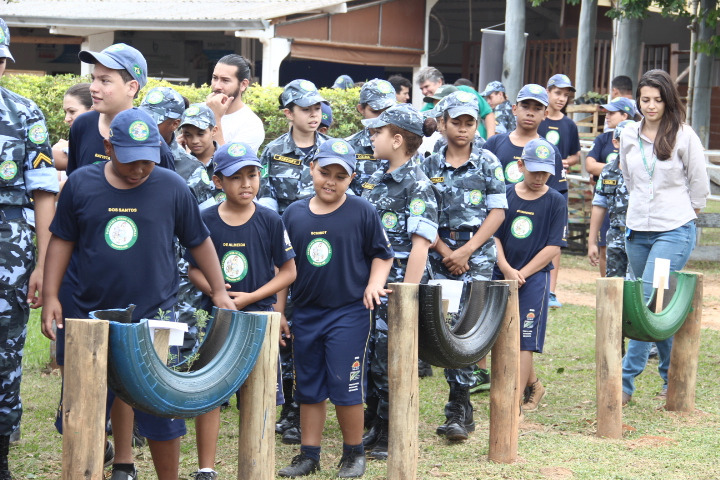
x,y
553,136
290,160
220,197
475,197
121,233
521,227
139,131
611,157
499,174
234,265
38,134
8,170
205,177
513,173
417,207
319,252
389,220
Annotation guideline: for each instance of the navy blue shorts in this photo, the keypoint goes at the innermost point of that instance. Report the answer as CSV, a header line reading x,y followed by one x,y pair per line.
x,y
329,351
533,299
602,241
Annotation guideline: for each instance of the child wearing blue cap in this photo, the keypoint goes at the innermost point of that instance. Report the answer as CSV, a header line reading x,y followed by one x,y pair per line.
x,y
534,230
342,267
122,216
250,241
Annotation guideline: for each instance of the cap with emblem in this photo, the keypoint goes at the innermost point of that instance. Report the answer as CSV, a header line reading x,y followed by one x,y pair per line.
x,y
232,157
441,92
302,93
163,103
199,115
539,156
5,41
535,92
119,57
402,115
495,86
378,94
343,82
560,80
134,136
621,104
460,103
327,118
337,151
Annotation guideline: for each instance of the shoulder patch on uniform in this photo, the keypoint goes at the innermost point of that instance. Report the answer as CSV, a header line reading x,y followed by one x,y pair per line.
x,y
417,206
38,133
40,159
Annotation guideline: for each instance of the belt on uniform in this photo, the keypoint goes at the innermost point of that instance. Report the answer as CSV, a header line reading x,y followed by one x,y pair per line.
x,y
11,213
620,229
462,235
400,262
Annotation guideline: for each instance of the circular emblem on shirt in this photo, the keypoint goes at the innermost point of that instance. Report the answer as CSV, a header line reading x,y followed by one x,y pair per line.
x,y
611,157
389,220
475,197
155,97
464,96
307,85
220,197
236,150
417,207
535,89
521,227
139,131
319,252
553,136
542,152
8,170
513,173
38,134
121,233
234,265
340,148
499,174
192,111
598,184
205,177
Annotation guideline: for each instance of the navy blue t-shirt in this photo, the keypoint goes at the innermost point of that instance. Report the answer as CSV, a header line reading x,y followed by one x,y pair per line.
x,y
508,153
603,149
334,251
530,226
124,239
85,144
562,133
248,253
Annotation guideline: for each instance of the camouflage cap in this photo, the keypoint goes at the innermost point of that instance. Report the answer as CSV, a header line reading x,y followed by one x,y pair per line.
x,y
460,103
119,57
560,80
535,92
442,92
491,87
302,93
233,156
621,104
163,103
199,115
5,41
402,115
619,128
327,118
539,156
337,151
135,136
378,93
343,82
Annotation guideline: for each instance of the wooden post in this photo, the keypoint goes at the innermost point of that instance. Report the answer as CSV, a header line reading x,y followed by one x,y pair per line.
x,y
404,409
682,375
608,356
161,343
504,388
256,439
86,347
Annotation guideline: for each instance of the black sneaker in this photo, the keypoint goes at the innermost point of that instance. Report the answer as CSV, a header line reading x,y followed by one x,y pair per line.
x,y
352,465
292,436
204,475
137,439
109,454
300,466
122,475
482,380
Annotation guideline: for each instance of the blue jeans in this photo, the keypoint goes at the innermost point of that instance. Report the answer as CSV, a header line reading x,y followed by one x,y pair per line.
x,y
642,250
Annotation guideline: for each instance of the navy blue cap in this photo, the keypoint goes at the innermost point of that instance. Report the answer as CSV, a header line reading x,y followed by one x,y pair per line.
x,y
338,151
560,80
378,93
135,136
491,87
533,91
163,103
5,41
327,118
302,93
619,128
402,115
232,157
621,104
539,156
343,82
119,57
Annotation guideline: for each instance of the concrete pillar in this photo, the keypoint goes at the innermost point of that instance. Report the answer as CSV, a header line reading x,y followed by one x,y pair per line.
x,y
703,75
585,61
95,42
417,96
514,54
627,48
274,52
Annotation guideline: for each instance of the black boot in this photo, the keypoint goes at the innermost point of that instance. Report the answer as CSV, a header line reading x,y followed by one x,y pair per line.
x,y
380,449
291,435
442,428
424,369
4,452
289,408
461,421
371,437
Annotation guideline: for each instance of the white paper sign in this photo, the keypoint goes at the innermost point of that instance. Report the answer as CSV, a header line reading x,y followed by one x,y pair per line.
x,y
177,330
662,270
451,291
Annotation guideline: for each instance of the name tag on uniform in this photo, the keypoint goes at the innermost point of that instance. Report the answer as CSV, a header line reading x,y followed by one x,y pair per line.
x,y
609,182
368,186
437,179
364,156
290,160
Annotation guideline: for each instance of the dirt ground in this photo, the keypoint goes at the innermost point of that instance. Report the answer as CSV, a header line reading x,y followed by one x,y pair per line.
x,y
570,278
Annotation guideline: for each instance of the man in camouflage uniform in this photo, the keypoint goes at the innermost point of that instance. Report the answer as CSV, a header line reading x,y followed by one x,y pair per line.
x,y
376,96
494,93
27,173
473,207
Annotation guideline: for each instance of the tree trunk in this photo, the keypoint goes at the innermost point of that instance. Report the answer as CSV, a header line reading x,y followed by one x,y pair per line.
x,y
585,62
514,54
703,73
628,48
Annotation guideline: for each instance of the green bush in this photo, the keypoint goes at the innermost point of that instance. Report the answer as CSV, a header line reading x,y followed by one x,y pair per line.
x,y
47,91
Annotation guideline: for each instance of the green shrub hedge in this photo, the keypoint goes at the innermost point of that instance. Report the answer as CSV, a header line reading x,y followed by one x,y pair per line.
x,y
47,91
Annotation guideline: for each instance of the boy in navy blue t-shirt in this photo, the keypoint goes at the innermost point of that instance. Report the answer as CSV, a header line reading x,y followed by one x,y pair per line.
x,y
534,229
122,215
250,241
344,261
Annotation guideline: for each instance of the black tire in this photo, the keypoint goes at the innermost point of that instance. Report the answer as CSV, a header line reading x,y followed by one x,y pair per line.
x,y
138,376
475,332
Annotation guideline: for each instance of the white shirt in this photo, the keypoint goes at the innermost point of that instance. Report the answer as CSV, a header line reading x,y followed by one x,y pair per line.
x,y
677,187
243,126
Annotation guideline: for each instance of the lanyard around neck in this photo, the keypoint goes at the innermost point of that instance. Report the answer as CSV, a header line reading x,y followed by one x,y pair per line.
x,y
649,169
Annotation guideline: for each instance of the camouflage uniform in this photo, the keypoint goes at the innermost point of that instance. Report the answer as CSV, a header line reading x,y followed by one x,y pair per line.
x,y
478,143
26,165
611,193
505,121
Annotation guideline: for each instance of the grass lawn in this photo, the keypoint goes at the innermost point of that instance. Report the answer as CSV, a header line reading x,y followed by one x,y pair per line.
x,y
556,442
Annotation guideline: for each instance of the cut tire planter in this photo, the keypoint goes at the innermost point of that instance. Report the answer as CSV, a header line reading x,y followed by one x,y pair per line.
x,y
641,323
473,335
225,359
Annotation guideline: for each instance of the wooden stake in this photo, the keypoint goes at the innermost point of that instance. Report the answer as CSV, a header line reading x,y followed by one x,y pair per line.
x,y
682,376
608,356
86,347
504,388
161,342
660,296
403,381
256,439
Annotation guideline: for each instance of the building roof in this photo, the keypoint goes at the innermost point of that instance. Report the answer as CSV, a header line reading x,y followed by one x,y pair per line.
x,y
189,15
